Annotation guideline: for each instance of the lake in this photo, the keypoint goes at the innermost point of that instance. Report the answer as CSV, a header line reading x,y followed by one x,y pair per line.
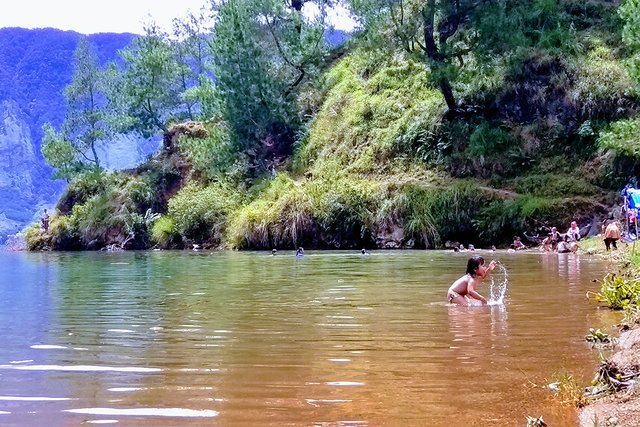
x,y
248,339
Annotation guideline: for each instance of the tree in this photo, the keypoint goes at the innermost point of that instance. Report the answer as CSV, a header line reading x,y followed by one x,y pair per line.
x,y
191,47
439,33
150,83
264,51
88,119
630,13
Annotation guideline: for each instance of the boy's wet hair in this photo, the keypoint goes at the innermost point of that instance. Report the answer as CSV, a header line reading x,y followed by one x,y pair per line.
x,y
473,264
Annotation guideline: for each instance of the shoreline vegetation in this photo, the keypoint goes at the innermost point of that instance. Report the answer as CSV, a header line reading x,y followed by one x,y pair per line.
x,y
612,398
518,117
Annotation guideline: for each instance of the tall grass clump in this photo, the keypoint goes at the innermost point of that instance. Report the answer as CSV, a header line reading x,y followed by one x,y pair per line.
x,y
201,212
603,88
164,232
501,219
553,185
328,211
430,215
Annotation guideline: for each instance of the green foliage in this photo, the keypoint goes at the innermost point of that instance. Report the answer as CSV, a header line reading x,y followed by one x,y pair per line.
x,y
487,140
60,154
501,219
431,215
596,336
622,137
214,156
603,87
366,120
150,83
35,238
88,121
630,13
264,51
164,232
618,292
552,185
201,213
329,212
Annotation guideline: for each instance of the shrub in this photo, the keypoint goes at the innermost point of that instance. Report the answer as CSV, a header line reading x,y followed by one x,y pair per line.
x,y
213,156
488,140
603,86
623,137
200,213
35,238
332,211
163,231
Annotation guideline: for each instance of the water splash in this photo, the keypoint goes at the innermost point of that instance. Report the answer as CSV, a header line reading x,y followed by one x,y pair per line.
x,y
498,291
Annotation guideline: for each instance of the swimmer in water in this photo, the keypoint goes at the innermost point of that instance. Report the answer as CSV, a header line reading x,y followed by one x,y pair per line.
x,y
464,288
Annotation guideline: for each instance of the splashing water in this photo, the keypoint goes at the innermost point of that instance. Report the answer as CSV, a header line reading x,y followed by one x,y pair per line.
x,y
498,291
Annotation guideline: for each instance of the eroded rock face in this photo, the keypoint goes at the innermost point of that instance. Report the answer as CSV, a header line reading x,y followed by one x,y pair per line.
x,y
18,193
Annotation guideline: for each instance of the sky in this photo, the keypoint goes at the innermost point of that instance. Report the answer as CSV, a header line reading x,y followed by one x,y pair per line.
x,y
114,16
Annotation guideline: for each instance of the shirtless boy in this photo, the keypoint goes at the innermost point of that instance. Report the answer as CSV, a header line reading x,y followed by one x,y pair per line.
x,y
465,287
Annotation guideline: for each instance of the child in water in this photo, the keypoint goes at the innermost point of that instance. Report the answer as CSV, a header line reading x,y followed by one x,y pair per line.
x,y
464,288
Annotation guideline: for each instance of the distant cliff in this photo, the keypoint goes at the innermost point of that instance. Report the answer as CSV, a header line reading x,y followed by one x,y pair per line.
x,y
35,67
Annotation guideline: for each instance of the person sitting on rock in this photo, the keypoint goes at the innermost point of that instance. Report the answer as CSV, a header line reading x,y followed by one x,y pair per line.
x,y
550,242
517,244
573,232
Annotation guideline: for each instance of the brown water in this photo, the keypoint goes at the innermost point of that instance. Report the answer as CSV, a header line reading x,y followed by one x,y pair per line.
x,y
247,339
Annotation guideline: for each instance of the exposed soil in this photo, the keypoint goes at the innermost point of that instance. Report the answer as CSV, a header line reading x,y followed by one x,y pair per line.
x,y
623,407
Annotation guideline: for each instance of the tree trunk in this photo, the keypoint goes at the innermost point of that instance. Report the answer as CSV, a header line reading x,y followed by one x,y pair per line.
x,y
433,53
447,92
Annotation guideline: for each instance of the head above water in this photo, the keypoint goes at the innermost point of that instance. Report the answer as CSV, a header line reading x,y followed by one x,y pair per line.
x,y
473,264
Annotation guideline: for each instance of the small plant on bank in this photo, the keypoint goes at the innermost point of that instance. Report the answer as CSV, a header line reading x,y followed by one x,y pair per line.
x,y
618,292
568,391
596,336
535,422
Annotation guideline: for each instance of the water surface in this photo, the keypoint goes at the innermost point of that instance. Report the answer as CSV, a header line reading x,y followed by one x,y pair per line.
x,y
248,339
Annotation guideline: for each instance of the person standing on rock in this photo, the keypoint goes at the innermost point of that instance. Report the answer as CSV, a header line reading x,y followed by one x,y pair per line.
x,y
44,220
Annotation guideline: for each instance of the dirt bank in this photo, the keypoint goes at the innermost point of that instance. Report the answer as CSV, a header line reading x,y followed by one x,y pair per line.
x,y
623,407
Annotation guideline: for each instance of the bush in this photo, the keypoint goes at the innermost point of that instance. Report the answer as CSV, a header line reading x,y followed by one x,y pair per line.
x,y
488,140
35,238
334,211
603,87
623,137
200,213
163,232
213,156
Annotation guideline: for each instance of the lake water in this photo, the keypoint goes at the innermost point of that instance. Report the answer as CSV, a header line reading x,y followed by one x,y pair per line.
x,y
249,339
